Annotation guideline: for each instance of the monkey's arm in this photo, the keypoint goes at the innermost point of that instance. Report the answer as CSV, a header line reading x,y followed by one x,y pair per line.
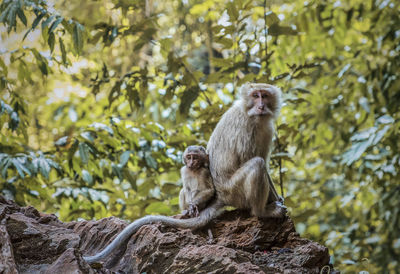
x,y
202,197
205,190
211,212
182,200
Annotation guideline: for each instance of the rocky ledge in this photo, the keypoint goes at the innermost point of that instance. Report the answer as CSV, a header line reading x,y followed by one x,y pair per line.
x,y
33,242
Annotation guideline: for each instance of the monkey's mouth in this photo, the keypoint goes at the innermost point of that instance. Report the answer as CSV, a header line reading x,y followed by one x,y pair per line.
x,y
259,112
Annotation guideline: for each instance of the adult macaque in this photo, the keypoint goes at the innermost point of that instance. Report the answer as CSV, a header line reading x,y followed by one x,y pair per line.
x,y
239,149
197,188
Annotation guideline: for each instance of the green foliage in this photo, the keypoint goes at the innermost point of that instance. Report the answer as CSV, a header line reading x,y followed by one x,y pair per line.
x,y
99,99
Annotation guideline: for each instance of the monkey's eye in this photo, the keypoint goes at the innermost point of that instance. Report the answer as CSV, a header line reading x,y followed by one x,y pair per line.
x,y
255,95
264,96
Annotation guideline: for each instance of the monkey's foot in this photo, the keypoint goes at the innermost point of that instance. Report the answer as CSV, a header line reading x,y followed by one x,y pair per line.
x,y
275,210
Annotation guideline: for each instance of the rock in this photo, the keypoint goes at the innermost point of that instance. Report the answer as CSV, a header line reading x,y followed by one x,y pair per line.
x,y
33,242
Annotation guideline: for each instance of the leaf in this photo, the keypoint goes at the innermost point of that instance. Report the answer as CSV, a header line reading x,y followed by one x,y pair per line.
x,y
115,92
189,96
158,207
3,66
276,30
271,18
130,176
46,22
41,61
37,20
51,41
34,24
373,239
78,37
301,90
44,167
6,163
72,150
396,244
87,177
20,168
356,150
84,153
343,70
55,24
117,171
385,119
100,126
124,157
21,16
150,161
63,141
5,11
11,18
227,43
133,96
63,52
87,135
379,135
14,121
232,11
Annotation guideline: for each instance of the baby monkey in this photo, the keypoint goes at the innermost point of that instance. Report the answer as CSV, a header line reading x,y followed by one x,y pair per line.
x,y
198,187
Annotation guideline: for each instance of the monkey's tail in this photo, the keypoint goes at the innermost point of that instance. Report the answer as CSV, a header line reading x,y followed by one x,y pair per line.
x,y
209,213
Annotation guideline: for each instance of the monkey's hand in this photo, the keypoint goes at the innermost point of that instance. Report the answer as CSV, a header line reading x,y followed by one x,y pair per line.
x,y
193,210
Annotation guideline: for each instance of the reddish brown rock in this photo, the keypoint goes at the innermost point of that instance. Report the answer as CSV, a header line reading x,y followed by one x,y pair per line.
x,y
32,242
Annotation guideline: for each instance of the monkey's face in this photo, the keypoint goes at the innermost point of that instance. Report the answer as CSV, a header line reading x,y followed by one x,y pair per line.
x,y
260,103
194,161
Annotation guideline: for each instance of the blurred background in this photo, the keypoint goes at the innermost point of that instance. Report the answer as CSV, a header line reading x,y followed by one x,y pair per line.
x,y
98,99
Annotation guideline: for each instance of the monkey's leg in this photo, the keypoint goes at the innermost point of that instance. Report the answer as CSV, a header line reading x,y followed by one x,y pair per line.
x,y
248,188
182,200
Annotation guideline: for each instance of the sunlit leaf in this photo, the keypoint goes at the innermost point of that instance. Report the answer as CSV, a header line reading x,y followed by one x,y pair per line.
x,y
78,37
158,207
51,41
87,177
150,161
55,24
84,153
124,157
21,16
63,52
188,97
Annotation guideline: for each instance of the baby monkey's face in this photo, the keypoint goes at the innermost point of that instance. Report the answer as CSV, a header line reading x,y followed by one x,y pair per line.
x,y
195,157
